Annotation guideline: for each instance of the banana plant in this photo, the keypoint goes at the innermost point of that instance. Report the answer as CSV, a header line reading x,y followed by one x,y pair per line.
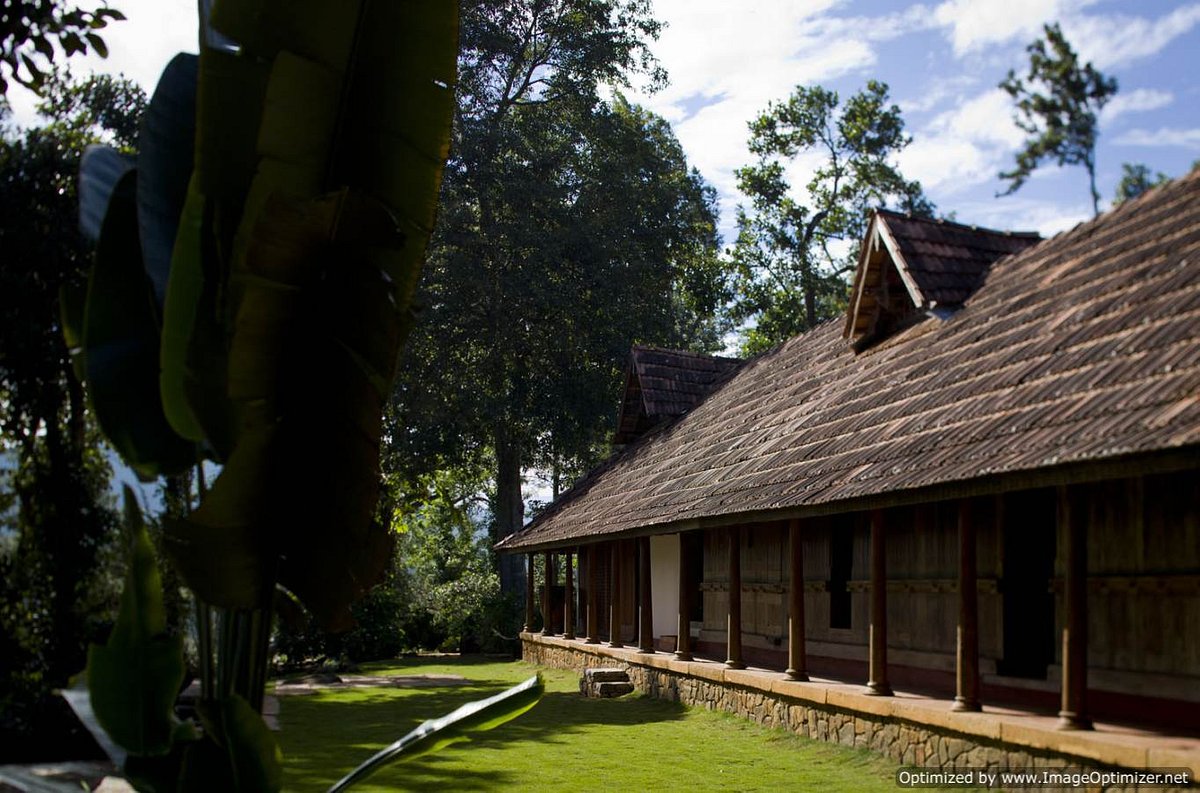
x,y
252,289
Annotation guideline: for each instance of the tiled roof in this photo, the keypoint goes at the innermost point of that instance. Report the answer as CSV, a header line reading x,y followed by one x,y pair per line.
x,y
934,264
948,260
662,384
1085,347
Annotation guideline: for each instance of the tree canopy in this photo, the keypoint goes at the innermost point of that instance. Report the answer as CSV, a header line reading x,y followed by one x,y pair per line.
x,y
29,29
1057,103
570,226
55,597
1137,178
789,268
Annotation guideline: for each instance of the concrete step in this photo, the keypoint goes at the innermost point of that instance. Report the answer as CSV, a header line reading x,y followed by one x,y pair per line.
x,y
608,689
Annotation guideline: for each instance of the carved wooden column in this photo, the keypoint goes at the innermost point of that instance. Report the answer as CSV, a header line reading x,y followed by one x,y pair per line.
x,y
528,593
797,663
645,606
547,618
568,601
683,639
593,595
614,610
967,666
1074,713
734,622
877,682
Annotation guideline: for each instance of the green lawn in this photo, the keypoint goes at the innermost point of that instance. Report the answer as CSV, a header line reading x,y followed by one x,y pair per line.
x,y
565,743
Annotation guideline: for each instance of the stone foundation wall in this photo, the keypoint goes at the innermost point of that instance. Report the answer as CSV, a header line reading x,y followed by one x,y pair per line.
x,y
910,743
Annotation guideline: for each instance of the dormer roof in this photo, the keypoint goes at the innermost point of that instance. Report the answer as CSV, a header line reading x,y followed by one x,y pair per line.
x,y
910,266
663,384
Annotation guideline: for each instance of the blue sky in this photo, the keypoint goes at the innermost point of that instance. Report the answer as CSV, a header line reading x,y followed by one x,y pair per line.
x,y
942,59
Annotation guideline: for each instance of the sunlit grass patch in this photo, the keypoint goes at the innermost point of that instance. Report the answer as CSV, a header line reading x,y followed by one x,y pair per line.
x,y
565,743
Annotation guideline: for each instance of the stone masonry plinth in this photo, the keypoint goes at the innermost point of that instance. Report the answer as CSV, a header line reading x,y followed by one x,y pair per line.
x,y
910,729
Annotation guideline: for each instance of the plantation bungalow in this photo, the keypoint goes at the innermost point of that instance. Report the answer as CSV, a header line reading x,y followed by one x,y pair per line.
x,y
979,486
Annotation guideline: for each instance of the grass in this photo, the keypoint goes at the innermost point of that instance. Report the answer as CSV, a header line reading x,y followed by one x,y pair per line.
x,y
566,743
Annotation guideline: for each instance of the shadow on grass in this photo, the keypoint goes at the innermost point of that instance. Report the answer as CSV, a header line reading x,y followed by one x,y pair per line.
x,y
325,736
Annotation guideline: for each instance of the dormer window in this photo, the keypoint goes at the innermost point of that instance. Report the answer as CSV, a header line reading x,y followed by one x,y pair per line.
x,y
663,384
912,267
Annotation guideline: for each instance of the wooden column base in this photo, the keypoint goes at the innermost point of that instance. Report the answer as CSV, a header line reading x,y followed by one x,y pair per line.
x,y
683,656
879,690
1072,721
732,664
964,705
796,675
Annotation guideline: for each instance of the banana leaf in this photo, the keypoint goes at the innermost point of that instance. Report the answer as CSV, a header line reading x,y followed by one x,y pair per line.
x,y
454,727
164,166
121,346
135,676
99,171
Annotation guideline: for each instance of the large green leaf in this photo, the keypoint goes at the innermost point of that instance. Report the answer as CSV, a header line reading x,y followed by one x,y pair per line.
x,y
225,550
313,29
164,163
184,290
100,168
121,346
135,676
454,727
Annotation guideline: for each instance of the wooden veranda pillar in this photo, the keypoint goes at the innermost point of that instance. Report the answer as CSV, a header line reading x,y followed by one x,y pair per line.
x,y
569,599
683,639
528,593
797,662
592,628
548,582
614,610
645,607
1074,713
877,682
967,665
734,621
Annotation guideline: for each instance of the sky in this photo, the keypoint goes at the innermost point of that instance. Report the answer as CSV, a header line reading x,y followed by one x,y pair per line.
x,y
942,61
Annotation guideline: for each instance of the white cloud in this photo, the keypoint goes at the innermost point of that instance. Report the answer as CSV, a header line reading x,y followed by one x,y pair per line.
x,y
935,92
964,146
1164,136
741,61
976,24
1016,213
1106,40
1136,101
1113,40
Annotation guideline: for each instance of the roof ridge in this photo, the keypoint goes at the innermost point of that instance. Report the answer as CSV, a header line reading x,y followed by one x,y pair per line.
x,y
954,223
691,353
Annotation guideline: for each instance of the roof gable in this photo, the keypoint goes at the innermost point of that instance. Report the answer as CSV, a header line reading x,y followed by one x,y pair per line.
x,y
1082,349
663,384
912,265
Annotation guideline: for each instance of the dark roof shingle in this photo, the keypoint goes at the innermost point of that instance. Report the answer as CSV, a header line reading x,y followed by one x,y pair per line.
x,y
1084,347
663,384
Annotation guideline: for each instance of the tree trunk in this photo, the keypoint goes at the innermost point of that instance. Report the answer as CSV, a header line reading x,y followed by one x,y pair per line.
x,y
510,510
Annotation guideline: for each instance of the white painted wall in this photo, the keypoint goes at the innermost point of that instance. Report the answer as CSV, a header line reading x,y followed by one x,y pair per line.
x,y
664,583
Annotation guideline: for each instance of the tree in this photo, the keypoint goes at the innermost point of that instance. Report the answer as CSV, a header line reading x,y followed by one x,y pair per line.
x,y
57,589
1135,180
1057,103
789,275
569,228
29,29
